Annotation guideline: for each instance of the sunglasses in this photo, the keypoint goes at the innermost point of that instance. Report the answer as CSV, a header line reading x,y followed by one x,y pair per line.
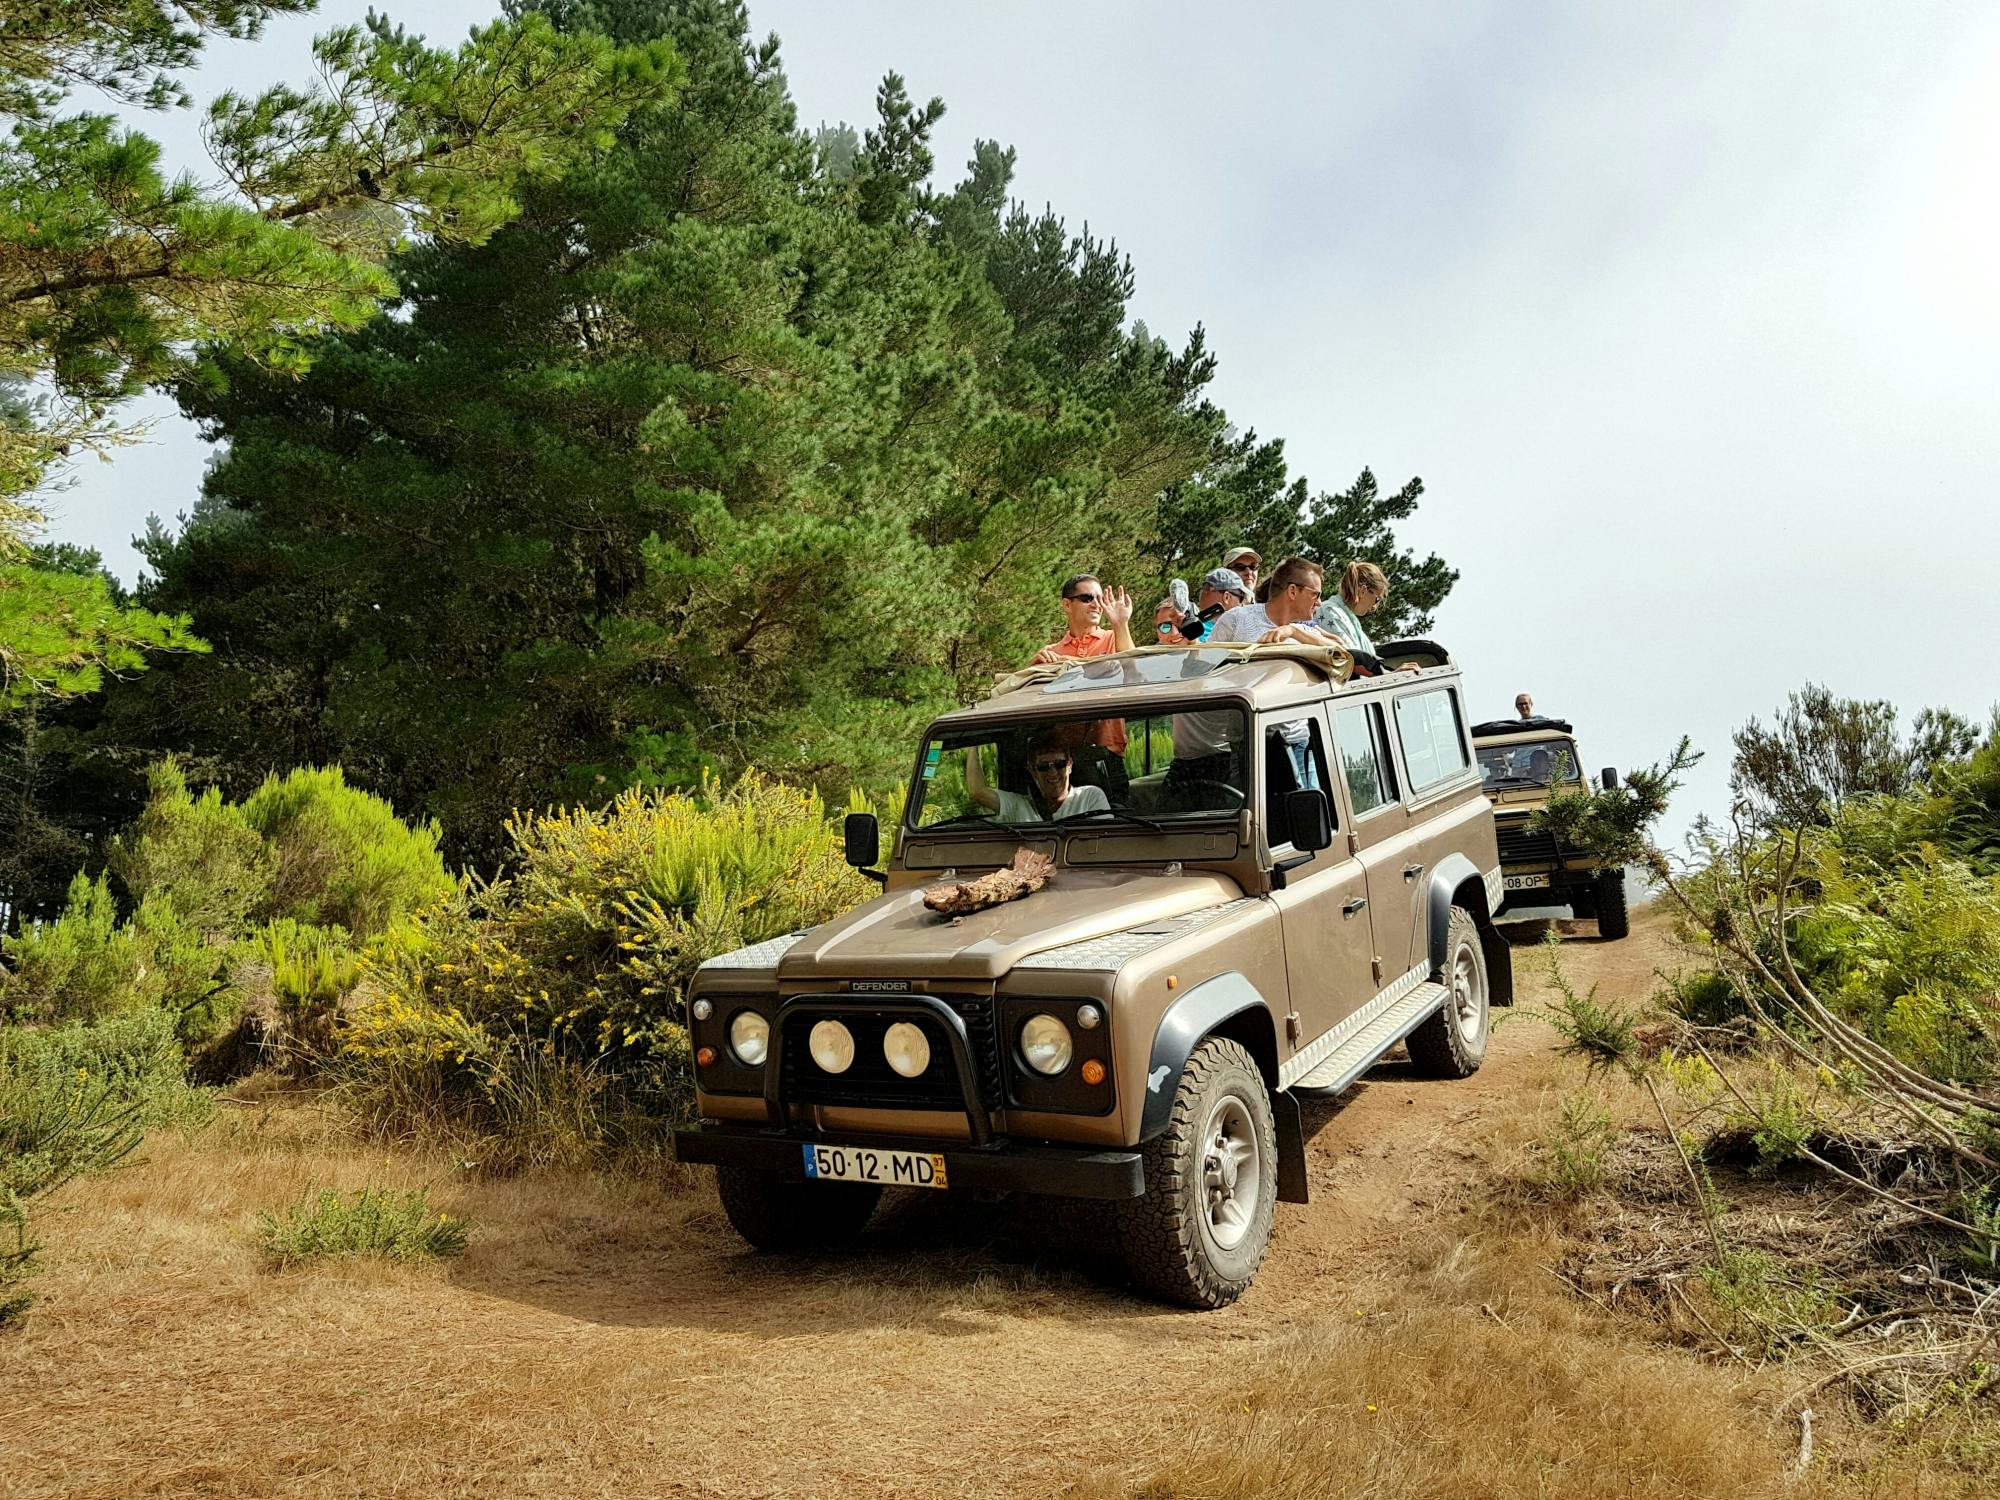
x,y
1082,598
1166,627
1050,767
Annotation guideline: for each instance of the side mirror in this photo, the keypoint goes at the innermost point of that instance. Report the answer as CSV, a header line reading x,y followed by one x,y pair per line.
x,y
862,840
1309,820
1609,777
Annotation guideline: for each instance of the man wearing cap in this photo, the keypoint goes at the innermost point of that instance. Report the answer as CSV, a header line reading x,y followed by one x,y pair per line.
x,y
1244,563
1222,590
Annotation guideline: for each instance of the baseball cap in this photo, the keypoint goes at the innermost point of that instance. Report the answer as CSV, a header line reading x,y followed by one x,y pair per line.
x,y
1224,581
1236,554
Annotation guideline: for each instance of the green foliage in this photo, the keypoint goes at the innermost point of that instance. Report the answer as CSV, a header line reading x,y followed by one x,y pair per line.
x,y
340,856
1577,1147
1821,752
74,1100
1613,823
112,266
732,449
1776,1304
543,1011
199,851
1602,1033
373,1221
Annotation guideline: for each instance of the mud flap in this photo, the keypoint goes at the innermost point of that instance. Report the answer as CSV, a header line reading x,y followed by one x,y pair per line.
x,y
1291,1148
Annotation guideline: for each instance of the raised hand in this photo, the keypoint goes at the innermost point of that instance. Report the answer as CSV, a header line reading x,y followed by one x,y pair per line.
x,y
1118,609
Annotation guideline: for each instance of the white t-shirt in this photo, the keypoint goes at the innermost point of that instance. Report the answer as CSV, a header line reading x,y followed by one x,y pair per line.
x,y
1016,808
1244,623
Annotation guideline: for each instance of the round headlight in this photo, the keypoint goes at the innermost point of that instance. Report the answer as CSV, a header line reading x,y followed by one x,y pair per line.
x,y
749,1038
906,1049
832,1046
1045,1044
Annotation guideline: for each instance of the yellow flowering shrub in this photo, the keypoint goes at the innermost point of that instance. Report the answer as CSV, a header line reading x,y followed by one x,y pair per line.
x,y
580,955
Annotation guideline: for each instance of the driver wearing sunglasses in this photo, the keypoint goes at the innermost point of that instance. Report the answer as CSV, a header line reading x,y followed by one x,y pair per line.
x,y
1052,797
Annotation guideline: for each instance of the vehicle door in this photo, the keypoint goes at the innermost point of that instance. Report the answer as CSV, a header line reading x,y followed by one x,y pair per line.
x,y
1379,833
1323,899
1438,774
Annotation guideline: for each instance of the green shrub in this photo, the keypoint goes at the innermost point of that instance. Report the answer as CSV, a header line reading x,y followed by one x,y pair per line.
x,y
374,1221
201,851
1577,1147
339,856
502,1005
81,965
134,1059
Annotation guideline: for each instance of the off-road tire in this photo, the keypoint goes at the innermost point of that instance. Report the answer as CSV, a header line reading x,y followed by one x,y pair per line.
x,y
776,1215
1613,919
1452,1043
1166,1237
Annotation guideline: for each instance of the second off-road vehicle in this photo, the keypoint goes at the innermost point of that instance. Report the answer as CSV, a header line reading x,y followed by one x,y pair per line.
x,y
1520,762
1265,876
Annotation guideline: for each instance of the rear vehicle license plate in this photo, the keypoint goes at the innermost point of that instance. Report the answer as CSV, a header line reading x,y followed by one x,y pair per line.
x,y
1527,882
924,1169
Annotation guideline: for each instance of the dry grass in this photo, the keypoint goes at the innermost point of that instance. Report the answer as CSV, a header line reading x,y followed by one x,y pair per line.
x,y
606,1336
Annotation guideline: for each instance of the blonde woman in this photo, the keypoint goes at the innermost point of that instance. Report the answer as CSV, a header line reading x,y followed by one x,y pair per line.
x,y
1363,587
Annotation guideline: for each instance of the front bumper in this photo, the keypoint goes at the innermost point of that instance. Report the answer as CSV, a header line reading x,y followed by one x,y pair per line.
x,y
1058,1171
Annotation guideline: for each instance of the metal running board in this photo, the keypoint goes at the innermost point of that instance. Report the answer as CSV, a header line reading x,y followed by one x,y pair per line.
x,y
1359,1052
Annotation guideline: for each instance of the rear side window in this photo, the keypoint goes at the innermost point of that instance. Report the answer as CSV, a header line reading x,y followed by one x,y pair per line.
x,y
1364,758
1433,743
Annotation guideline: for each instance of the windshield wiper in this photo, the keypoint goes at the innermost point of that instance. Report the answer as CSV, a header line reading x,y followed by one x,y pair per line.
x,y
1517,780
965,820
1115,812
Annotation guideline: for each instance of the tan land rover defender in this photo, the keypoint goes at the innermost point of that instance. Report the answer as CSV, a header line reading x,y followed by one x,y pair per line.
x,y
1520,760
1265,876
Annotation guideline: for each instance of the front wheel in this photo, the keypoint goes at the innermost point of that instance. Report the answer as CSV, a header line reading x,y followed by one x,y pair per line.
x,y
1452,1043
777,1215
1613,918
1200,1232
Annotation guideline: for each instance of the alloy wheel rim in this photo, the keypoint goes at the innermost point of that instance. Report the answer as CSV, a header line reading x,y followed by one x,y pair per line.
x,y
1468,995
1232,1173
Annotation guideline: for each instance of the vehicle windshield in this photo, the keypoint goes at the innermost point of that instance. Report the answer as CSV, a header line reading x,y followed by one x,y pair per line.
x,y
1532,763
1150,771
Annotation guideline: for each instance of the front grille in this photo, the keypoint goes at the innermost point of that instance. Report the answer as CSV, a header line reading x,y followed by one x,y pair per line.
x,y
872,1083
1520,846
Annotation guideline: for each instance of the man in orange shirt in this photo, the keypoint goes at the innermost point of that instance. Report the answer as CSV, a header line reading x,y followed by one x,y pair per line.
x,y
1085,603
1100,751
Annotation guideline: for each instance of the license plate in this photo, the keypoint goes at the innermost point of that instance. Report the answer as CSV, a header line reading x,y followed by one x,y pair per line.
x,y
924,1169
1527,882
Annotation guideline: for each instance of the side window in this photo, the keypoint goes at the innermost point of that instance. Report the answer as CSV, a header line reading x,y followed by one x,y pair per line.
x,y
1294,760
1371,780
1433,744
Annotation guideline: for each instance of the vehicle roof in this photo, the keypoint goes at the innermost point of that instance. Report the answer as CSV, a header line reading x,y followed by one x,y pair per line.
x,y
1131,683
1520,731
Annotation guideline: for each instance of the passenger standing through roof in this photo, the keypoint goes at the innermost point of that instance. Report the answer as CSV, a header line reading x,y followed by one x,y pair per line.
x,y
1204,751
1524,705
1100,745
1290,596
1363,588
1244,563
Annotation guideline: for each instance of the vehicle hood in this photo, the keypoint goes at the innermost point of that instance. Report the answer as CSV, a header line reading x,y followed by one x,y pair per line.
x,y
896,936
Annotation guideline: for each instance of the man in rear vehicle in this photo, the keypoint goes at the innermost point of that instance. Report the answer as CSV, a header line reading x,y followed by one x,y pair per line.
x,y
1524,705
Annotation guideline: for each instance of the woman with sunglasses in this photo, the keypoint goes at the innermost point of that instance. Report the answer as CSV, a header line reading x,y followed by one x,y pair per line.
x,y
1052,796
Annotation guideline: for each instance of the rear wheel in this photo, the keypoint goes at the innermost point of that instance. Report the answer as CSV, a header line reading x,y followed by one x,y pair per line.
x,y
1613,920
1200,1232
1452,1043
774,1214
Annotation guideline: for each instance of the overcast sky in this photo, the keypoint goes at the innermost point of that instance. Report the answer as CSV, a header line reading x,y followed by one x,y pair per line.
x,y
1688,316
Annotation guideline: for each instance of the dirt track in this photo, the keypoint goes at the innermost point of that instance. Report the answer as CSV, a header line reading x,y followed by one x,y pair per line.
x,y
602,1339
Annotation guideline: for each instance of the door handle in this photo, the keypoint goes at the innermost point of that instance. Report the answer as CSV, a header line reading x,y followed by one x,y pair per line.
x,y
1411,872
1352,905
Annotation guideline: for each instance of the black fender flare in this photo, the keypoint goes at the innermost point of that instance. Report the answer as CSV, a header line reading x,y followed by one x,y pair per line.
x,y
1451,875
1205,1009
